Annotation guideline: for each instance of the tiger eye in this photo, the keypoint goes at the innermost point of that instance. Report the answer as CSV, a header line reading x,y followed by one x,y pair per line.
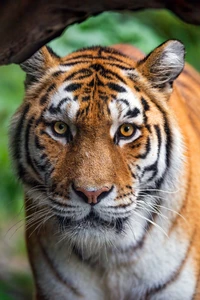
x,y
126,130
60,128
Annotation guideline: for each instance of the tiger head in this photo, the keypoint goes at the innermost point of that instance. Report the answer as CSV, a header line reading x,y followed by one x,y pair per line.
x,y
95,138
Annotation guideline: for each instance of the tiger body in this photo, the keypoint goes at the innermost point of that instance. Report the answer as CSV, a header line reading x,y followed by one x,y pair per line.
x,y
111,216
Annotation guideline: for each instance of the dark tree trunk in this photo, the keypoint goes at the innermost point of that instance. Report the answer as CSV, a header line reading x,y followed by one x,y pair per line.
x,y
26,25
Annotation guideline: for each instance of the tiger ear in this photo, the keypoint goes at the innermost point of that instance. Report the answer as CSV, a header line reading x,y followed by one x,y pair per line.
x,y
36,66
163,65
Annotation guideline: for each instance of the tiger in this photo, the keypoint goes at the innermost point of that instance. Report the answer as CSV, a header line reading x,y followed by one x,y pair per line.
x,y
107,146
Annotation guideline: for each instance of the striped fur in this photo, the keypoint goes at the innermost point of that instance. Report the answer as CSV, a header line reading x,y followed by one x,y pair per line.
x,y
141,240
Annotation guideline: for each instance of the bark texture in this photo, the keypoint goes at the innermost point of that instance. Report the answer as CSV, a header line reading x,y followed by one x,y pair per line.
x,y
26,25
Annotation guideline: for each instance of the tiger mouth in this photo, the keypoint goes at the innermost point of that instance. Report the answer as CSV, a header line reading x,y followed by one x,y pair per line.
x,y
92,221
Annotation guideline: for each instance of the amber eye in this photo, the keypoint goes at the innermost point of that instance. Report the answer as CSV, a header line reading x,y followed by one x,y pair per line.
x,y
126,130
60,128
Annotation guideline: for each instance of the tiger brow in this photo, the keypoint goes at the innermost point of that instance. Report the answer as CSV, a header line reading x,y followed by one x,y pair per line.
x,y
57,109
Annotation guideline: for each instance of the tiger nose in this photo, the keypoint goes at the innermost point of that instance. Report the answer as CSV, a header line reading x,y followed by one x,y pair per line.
x,y
92,197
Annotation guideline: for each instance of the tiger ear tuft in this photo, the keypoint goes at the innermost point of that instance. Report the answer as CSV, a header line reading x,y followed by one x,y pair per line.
x,y
38,63
164,64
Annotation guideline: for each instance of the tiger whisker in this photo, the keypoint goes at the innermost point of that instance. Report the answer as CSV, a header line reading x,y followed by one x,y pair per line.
x,y
158,190
153,223
154,211
19,221
41,224
162,206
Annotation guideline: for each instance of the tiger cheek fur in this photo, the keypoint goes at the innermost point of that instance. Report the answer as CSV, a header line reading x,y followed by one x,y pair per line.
x,y
111,201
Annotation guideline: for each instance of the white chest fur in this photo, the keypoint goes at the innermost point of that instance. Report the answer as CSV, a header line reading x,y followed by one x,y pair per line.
x,y
134,272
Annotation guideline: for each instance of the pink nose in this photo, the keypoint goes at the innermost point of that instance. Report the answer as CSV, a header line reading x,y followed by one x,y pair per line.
x,y
92,197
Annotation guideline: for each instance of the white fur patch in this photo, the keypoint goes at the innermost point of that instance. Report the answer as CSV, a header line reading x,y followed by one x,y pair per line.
x,y
125,102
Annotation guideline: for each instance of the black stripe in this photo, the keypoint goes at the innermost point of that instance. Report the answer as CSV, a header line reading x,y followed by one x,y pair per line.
x,y
44,165
43,156
145,108
132,113
85,98
115,75
101,49
121,67
54,109
40,167
114,58
82,56
57,73
124,101
132,174
75,63
44,99
145,104
159,137
148,127
102,58
137,88
40,119
90,84
17,137
116,87
22,174
51,88
168,145
104,97
154,167
52,53
97,67
136,146
158,133
48,174
63,101
98,81
92,56
169,142
151,168
84,71
42,132
106,72
37,143
147,150
27,143
168,149
72,87
168,135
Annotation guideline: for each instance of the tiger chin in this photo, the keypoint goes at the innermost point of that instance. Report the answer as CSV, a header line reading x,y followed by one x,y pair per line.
x,y
106,144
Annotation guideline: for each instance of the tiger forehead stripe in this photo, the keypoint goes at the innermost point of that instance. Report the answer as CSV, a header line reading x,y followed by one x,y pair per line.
x,y
114,58
102,53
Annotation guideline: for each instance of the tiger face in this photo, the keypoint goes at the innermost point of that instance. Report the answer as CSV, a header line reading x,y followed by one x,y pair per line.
x,y
95,138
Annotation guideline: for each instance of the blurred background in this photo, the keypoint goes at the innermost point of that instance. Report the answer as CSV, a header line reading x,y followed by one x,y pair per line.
x,y
146,30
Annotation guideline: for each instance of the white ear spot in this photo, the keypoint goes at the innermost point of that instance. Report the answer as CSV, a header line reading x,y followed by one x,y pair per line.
x,y
163,64
171,61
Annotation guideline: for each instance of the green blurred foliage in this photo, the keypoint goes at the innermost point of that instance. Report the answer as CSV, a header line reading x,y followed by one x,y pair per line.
x,y
145,30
